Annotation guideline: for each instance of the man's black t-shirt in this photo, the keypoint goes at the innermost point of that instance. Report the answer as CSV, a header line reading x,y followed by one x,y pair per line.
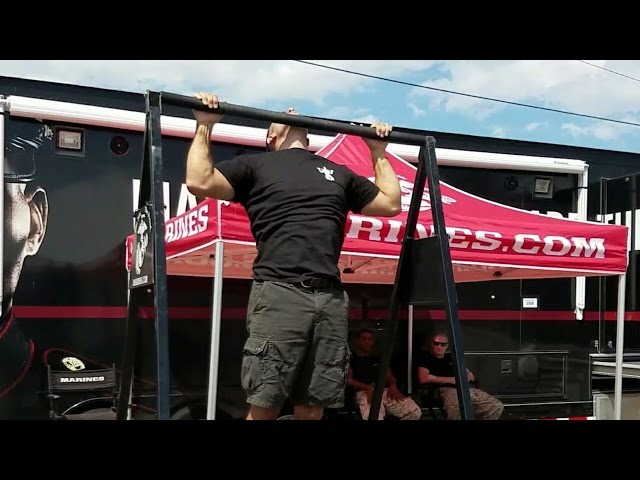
x,y
297,203
365,369
440,367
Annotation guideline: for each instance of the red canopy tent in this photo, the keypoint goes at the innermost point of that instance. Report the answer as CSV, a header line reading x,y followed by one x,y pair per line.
x,y
488,241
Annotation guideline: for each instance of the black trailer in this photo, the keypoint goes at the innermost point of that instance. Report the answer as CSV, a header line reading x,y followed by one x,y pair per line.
x,y
67,301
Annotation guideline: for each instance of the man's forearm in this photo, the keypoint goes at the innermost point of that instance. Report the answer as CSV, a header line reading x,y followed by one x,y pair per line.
x,y
199,160
438,380
386,179
391,380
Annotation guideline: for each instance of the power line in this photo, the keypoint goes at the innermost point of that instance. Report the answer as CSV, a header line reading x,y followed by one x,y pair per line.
x,y
480,97
611,71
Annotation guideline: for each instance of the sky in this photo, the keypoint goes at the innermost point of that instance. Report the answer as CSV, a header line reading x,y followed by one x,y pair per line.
x,y
567,85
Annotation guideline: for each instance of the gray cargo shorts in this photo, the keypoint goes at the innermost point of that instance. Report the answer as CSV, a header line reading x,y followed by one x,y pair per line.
x,y
297,345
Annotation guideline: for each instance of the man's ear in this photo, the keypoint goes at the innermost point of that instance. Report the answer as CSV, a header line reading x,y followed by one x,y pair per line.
x,y
39,213
270,139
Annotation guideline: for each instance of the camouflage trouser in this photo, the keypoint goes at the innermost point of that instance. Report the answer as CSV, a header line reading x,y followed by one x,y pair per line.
x,y
405,409
485,406
297,345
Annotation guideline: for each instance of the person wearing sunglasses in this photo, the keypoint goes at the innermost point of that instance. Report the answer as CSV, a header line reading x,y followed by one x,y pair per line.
x,y
435,368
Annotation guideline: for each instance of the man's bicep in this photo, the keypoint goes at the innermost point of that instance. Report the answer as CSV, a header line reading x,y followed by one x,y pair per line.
x,y
233,179
215,185
380,206
362,192
423,374
220,187
424,363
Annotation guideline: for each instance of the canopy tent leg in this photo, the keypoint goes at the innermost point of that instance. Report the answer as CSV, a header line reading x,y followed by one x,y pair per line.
x,y
216,320
617,404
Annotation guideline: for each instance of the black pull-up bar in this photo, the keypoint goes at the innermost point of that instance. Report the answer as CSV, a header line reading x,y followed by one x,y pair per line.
x,y
288,119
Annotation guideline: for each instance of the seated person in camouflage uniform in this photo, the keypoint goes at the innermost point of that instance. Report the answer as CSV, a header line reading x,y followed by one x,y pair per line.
x,y
362,376
435,368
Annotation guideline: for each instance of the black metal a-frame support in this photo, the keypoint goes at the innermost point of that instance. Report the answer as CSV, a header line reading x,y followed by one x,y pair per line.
x,y
148,267
424,275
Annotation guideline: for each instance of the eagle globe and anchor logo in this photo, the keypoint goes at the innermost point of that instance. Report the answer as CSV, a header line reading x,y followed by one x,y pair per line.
x,y
73,363
142,254
143,227
406,191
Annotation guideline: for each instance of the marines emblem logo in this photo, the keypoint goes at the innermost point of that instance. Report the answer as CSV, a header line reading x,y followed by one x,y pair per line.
x,y
142,232
72,363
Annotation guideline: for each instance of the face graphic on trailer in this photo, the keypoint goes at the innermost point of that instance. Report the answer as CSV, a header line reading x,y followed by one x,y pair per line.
x,y
25,203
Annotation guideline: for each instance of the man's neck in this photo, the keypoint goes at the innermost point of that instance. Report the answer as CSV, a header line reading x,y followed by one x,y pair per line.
x,y
288,144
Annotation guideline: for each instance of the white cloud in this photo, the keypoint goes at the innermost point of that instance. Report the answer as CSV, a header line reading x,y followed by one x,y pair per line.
x,y
338,112
343,112
560,84
246,82
535,125
601,130
416,110
574,129
367,119
499,132
606,131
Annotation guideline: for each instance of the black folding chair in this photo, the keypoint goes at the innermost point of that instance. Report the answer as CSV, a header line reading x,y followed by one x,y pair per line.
x,y
100,384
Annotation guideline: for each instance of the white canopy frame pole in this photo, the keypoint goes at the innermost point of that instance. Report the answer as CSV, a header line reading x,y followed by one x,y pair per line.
x,y
216,320
410,350
617,404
